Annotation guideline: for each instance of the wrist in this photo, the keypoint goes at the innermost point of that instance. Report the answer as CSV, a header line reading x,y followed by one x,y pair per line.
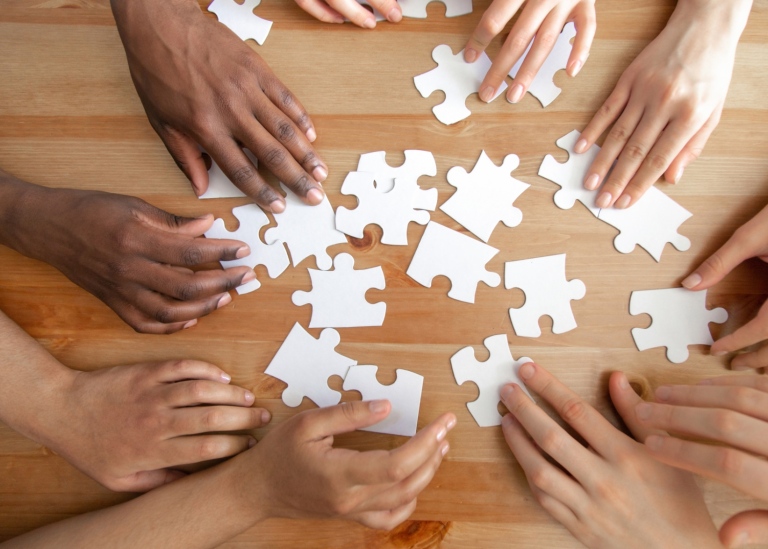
x,y
725,18
136,18
247,482
19,212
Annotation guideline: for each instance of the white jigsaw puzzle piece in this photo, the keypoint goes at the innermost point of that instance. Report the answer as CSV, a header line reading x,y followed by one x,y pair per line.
x,y
650,222
272,256
484,196
306,363
679,317
543,86
307,230
461,258
418,8
392,211
547,292
417,163
241,20
404,395
457,78
489,376
219,185
338,296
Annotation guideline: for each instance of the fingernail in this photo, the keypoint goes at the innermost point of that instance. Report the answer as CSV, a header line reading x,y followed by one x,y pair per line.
x,y
444,449
719,353
226,377
190,324
311,135
592,182
395,15
527,370
265,416
470,55
250,276
738,367
441,434
249,397
486,94
741,539
315,196
320,174
623,202
370,23
576,67
243,252
663,393
377,406
451,423
225,300
507,391
623,381
581,146
251,443
643,410
516,93
278,206
678,175
654,442
603,200
692,281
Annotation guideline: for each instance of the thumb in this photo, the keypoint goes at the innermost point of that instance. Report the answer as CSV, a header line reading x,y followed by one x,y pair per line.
x,y
188,157
719,264
346,417
144,481
160,219
625,399
745,528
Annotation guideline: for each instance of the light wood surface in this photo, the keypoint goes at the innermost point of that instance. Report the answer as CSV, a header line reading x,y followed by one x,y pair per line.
x,y
69,117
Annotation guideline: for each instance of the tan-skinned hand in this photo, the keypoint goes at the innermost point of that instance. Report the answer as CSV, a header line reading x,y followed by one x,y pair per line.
x,y
338,11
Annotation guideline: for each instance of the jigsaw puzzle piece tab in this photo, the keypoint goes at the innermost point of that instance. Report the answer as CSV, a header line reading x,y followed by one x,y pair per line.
x,y
457,78
679,317
417,9
404,395
306,363
547,293
543,86
241,20
484,196
338,296
272,256
417,163
570,175
489,376
306,230
462,259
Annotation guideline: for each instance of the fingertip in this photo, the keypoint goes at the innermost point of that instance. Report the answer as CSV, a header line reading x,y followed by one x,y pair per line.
x,y
575,67
249,398
470,55
379,407
251,442
277,206
527,370
266,417
311,135
189,324
580,148
507,392
691,281
451,422
315,196
515,93
487,93
225,377
395,15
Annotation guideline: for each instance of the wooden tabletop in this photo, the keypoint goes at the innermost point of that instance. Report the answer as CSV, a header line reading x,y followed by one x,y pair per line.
x,y
69,117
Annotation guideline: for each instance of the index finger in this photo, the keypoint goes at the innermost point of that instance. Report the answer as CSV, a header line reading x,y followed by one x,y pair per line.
x,y
754,331
391,467
175,249
491,23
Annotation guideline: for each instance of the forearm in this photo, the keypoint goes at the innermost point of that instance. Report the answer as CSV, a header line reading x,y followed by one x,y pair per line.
x,y
17,199
726,17
198,511
32,380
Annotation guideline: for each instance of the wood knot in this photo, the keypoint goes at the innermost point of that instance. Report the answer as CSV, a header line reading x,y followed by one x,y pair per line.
x,y
366,243
421,534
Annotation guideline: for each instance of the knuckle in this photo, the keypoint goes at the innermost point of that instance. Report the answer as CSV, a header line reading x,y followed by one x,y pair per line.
x,y
189,291
213,420
730,461
118,268
606,490
547,38
552,442
242,175
265,194
303,120
191,256
209,448
124,238
197,390
635,151
275,156
724,422
164,315
302,185
492,25
541,478
349,411
309,158
285,131
618,131
395,472
658,161
519,42
573,410
286,98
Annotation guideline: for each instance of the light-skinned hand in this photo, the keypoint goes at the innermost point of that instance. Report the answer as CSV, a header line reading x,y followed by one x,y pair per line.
x,y
302,475
750,240
667,103
611,494
540,22
202,86
730,411
338,11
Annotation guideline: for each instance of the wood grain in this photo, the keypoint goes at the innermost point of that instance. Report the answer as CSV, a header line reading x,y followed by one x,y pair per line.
x,y
69,117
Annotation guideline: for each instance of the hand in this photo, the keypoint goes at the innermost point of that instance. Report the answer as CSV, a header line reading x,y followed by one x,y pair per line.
x,y
613,493
129,426
338,11
304,476
541,22
750,240
201,85
133,256
667,103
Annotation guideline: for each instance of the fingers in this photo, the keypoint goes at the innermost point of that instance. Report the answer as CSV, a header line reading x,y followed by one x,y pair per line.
x,y
389,8
625,399
755,359
693,149
743,399
754,331
170,311
745,528
141,322
194,449
202,391
213,419
343,418
178,370
491,23
356,13
587,421
386,520
321,11
182,250
543,477
284,99
188,157
190,286
394,466
717,424
756,382
144,481
607,114
586,26
723,464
